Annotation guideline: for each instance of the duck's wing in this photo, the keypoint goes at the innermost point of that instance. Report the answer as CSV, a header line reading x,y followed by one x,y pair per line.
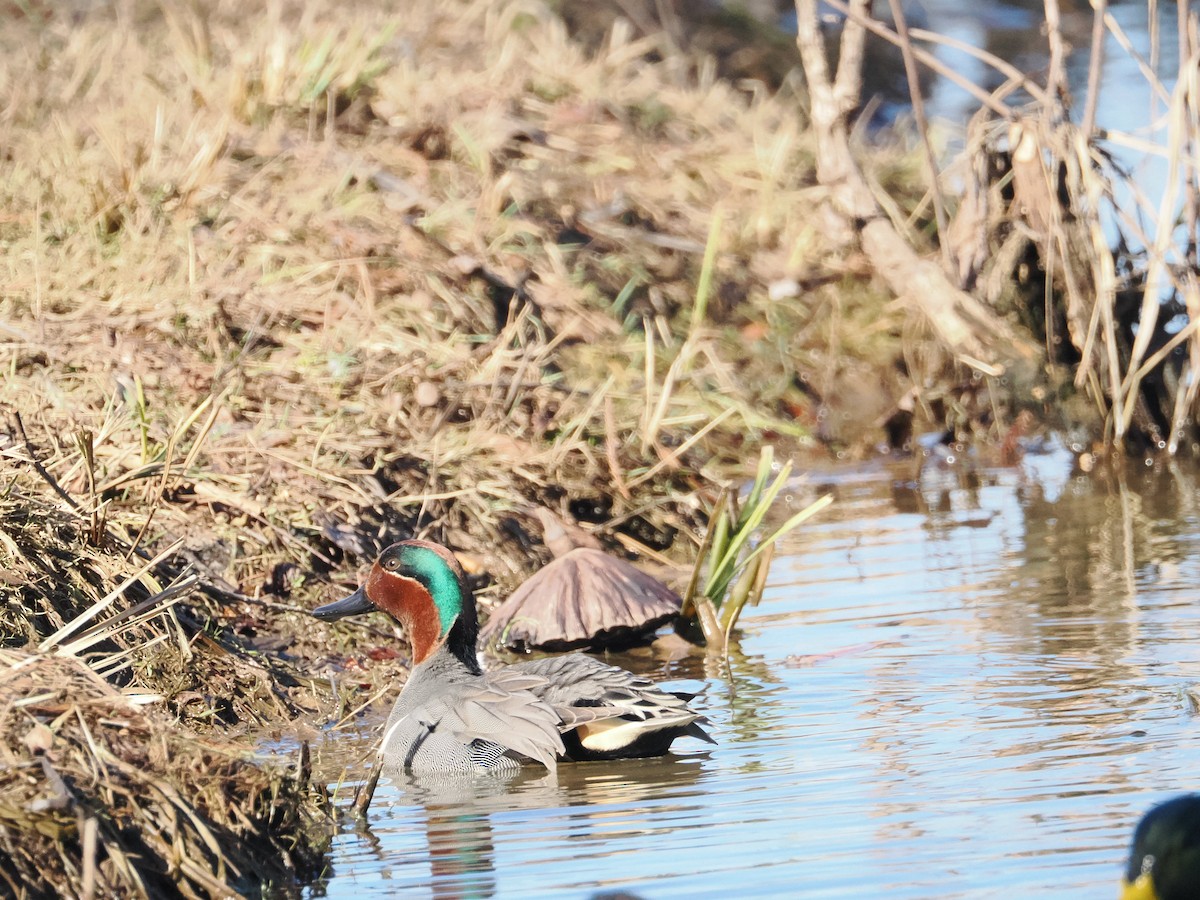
x,y
516,678
576,679
510,717
587,690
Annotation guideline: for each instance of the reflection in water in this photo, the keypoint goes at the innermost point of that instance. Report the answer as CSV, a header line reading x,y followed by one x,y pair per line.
x,y
962,682
461,854
458,832
582,813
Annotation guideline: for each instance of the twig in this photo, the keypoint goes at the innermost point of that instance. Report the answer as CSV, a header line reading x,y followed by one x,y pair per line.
x,y
41,470
1010,72
1095,63
611,444
812,47
366,792
1158,268
85,441
830,107
1056,74
337,726
1191,202
918,106
1144,67
847,84
932,62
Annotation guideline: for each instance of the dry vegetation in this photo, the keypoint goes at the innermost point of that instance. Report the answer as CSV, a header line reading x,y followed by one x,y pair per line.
x,y
282,282
103,798
1054,231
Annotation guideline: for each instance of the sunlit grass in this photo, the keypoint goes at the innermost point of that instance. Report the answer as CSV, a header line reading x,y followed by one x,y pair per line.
x,y
735,557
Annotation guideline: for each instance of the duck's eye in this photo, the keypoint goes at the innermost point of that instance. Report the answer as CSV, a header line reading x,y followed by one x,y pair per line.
x,y
391,563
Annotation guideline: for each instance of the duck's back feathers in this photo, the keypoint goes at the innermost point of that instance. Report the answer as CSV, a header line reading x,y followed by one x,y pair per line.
x,y
608,712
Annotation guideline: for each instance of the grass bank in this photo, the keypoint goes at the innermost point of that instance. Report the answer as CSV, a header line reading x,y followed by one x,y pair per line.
x,y
282,282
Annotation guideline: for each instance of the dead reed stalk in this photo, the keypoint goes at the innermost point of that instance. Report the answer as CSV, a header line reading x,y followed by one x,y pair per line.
x,y
967,327
1050,189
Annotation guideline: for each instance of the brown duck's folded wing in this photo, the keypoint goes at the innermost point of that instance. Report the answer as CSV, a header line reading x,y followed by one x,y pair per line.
x,y
516,719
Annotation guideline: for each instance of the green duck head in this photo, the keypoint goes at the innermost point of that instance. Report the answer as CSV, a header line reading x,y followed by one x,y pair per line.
x,y
423,587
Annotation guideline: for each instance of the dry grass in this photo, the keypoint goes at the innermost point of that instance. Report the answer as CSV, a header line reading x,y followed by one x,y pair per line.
x,y
1054,229
102,799
282,282
304,271
73,587
107,792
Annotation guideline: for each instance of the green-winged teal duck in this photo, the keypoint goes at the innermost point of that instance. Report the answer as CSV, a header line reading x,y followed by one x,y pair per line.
x,y
1164,861
452,716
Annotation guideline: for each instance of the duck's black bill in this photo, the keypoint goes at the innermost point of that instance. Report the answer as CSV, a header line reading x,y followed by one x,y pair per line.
x,y
353,605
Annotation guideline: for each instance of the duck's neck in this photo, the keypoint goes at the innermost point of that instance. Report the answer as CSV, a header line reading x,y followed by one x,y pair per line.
x,y
427,640
460,642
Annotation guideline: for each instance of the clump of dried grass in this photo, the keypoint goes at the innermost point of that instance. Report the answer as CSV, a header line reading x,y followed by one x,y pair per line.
x,y
283,283
106,791
74,584
1055,229
102,798
441,262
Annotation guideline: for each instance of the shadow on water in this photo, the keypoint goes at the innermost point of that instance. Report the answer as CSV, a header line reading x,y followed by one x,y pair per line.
x,y
962,682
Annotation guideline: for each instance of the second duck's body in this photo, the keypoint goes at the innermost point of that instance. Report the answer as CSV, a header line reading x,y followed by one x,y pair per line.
x,y
452,717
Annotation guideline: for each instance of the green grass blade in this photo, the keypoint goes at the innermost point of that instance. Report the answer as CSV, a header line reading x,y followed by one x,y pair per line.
x,y
707,268
799,518
754,517
765,460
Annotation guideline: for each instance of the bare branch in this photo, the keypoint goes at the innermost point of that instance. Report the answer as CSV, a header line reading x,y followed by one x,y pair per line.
x,y
812,46
1056,75
1095,62
847,86
918,105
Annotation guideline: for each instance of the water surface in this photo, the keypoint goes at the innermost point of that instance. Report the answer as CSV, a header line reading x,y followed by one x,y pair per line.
x,y
960,683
